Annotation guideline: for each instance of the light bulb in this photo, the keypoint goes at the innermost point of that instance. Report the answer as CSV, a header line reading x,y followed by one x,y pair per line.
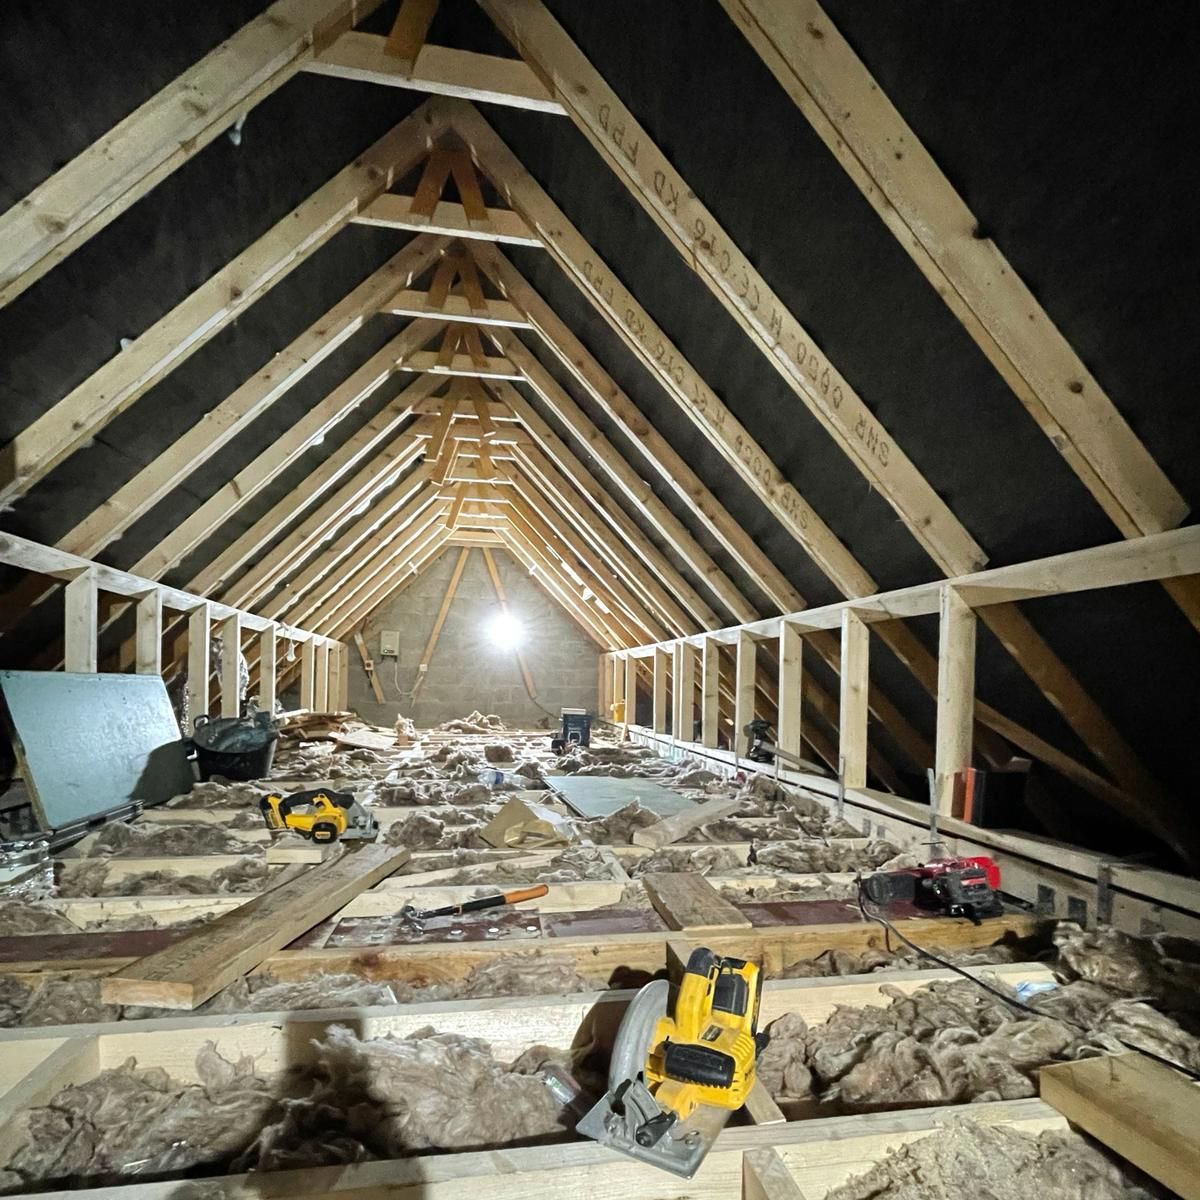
x,y
506,631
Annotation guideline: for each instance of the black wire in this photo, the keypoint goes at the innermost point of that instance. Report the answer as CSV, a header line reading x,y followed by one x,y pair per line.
x,y
1000,995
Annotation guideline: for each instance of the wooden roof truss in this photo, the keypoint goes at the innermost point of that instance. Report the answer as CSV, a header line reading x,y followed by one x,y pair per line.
x,y
463,457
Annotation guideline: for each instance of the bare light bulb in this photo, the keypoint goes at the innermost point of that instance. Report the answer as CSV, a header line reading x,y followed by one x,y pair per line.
x,y
506,631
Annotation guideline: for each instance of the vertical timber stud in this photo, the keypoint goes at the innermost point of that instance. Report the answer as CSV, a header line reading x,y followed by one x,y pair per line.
x,y
676,690
743,689
661,667
687,693
308,672
955,694
266,669
618,686
789,724
334,683
231,654
852,721
333,677
81,631
199,662
630,692
321,678
710,692
343,693
148,637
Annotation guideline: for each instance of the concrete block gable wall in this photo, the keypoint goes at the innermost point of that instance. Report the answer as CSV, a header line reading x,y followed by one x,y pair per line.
x,y
467,670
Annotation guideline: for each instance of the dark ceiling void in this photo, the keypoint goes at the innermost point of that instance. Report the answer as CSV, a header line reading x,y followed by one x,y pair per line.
x,y
1083,175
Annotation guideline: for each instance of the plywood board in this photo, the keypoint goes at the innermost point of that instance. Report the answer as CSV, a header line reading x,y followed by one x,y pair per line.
x,y
89,743
599,796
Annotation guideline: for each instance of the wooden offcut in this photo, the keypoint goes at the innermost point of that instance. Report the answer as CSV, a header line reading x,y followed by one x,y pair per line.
x,y
680,824
1139,1108
765,1176
189,972
687,901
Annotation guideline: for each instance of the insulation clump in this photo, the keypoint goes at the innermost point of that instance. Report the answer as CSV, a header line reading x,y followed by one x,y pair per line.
x,y
530,974
618,828
475,722
1163,969
89,877
952,1043
358,1100
128,1123
213,793
696,777
568,867
69,998
809,887
847,962
966,1158
524,975
73,998
703,860
152,841
424,832
390,1097
21,917
798,858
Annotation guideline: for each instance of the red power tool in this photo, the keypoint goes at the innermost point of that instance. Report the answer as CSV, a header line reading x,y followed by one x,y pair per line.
x,y
957,887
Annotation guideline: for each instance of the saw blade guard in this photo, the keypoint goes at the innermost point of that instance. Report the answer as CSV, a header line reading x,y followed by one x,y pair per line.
x,y
636,1033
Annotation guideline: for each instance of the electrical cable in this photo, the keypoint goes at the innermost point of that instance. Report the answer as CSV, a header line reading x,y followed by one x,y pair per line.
x,y
1012,1001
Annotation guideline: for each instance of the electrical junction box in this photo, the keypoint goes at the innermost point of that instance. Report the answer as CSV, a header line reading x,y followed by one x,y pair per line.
x,y
389,644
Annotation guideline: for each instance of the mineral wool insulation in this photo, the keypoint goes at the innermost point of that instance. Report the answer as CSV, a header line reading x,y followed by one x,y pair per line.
x,y
74,998
953,1042
382,1098
968,1158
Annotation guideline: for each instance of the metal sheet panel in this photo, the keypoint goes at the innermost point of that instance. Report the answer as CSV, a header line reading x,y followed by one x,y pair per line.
x,y
601,795
90,743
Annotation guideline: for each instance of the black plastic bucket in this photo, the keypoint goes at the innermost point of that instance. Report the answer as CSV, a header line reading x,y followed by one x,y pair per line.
x,y
238,748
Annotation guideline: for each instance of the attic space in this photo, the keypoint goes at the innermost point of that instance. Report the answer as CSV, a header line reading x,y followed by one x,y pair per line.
x,y
603,593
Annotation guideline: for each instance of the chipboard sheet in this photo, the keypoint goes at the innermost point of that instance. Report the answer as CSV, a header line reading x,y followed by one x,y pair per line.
x,y
601,795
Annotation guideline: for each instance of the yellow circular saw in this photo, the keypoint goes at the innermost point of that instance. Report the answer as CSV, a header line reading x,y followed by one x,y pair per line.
x,y
320,814
675,1077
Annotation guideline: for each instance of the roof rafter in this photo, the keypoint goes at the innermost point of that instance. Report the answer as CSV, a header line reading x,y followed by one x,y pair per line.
x,y
95,187
618,407
88,408
575,507
852,115
711,253
546,575
655,350
325,574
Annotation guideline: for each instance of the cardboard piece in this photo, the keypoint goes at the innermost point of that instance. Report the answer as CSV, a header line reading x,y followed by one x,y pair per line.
x,y
524,825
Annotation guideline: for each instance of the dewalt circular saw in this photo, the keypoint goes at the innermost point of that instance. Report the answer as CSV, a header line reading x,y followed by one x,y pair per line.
x,y
676,1077
320,814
